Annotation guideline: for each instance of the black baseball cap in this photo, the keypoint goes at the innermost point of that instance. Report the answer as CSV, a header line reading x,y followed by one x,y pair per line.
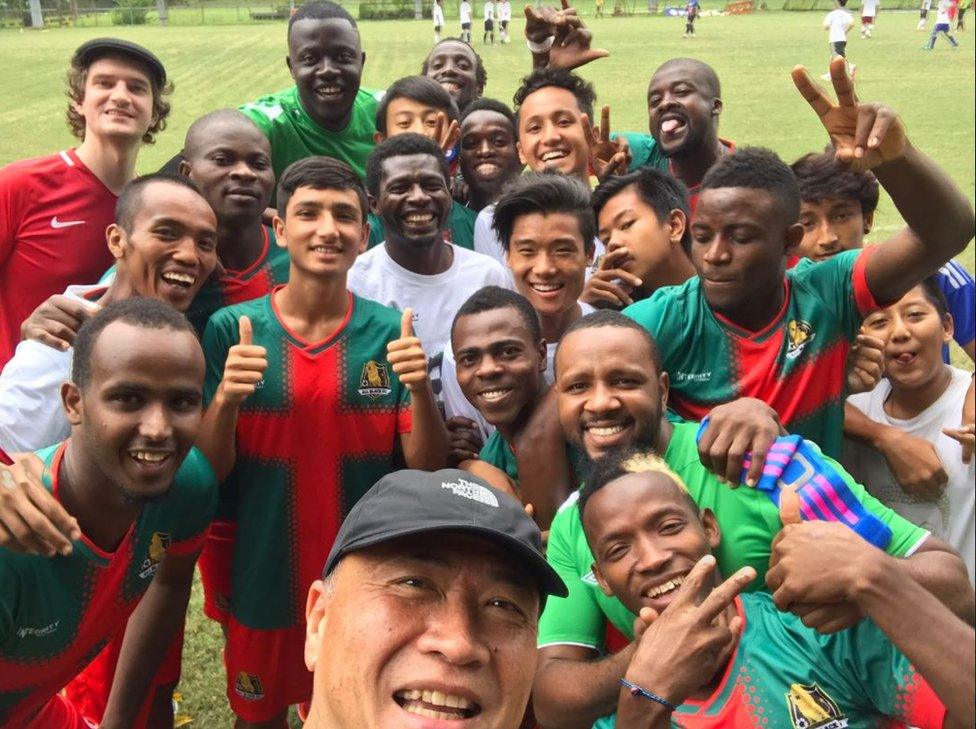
x,y
416,502
98,47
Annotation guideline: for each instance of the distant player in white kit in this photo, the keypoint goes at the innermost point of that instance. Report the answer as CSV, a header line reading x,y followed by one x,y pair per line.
x,y
503,10
489,36
465,10
437,15
869,11
923,14
837,24
942,21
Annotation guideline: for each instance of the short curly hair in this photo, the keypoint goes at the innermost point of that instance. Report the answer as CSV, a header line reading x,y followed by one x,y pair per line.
x,y
77,77
757,168
821,176
560,78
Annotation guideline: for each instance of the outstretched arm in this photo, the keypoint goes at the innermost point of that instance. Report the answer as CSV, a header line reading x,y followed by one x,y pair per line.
x,y
869,136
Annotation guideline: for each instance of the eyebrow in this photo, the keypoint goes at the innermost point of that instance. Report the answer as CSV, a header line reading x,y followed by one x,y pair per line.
x,y
495,572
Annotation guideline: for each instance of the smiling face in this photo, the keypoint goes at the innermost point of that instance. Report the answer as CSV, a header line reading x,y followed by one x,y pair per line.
x,y
489,156
231,164
548,259
172,247
428,631
141,408
681,111
551,133
405,115
453,65
627,222
326,60
117,101
740,240
646,535
323,230
609,394
499,366
414,200
914,333
831,226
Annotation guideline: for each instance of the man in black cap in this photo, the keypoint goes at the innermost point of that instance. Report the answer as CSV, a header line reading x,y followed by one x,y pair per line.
x,y
54,209
428,607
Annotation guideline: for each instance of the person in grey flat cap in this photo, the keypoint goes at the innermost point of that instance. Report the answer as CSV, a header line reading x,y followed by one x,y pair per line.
x,y
428,607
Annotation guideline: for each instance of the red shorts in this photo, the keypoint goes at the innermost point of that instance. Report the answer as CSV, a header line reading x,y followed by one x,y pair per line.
x,y
89,690
867,19
266,670
59,713
216,561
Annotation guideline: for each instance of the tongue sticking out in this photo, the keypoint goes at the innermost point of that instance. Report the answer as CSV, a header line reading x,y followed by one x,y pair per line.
x,y
670,125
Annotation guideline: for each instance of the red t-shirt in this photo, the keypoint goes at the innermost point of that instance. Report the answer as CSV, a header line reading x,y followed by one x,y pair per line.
x,y
695,190
53,216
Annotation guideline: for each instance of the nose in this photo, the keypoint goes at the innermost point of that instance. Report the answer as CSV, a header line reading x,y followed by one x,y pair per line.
x,y
416,194
551,133
650,556
454,633
120,93
544,264
326,227
602,399
826,237
617,240
488,367
186,251
155,425
326,67
718,252
242,171
484,148
898,328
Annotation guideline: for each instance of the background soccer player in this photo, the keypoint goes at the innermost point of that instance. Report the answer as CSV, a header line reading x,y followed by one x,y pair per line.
x,y
457,67
116,102
142,499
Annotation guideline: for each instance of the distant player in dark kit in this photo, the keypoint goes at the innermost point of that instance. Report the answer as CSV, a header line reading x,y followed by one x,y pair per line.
x,y
691,15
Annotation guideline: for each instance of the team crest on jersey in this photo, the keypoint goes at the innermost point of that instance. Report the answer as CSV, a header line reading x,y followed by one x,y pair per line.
x,y
800,334
158,544
248,686
374,382
812,708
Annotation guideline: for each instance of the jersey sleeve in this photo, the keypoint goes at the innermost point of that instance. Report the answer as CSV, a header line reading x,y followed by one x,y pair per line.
x,y
905,536
15,194
218,337
887,678
31,416
843,280
652,313
257,113
198,488
575,619
960,293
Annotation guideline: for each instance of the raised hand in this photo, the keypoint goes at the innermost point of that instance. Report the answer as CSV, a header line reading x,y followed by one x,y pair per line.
x,y
446,133
56,321
245,366
865,135
571,39
865,363
611,286
607,156
682,648
406,355
32,521
746,425
465,439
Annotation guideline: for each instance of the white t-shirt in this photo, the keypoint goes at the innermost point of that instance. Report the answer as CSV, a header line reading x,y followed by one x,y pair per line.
x,y
465,11
838,21
504,10
943,12
31,416
490,10
455,403
869,8
438,15
434,299
952,517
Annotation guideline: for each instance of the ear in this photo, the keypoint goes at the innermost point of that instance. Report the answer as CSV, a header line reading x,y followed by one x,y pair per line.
x,y
115,238
71,402
601,581
948,328
716,106
377,137
362,60
184,168
521,154
374,204
677,223
710,525
364,241
793,238
664,387
543,355
314,622
278,223
868,222
290,69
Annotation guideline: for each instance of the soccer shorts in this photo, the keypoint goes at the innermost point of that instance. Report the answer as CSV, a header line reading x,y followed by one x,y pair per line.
x,y
266,670
215,563
839,48
867,19
489,25
465,26
89,690
503,24
941,28
59,713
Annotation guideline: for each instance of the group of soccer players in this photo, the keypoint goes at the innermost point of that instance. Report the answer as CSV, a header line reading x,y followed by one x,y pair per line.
x,y
211,366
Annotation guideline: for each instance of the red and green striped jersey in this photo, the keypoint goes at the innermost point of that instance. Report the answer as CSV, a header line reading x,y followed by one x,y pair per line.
x,y
797,364
320,429
57,613
784,674
235,287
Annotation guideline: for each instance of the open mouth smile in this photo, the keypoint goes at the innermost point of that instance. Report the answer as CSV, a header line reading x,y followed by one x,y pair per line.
x,y
436,704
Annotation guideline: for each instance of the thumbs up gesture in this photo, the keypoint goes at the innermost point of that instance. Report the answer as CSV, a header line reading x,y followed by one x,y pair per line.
x,y
245,365
407,356
789,507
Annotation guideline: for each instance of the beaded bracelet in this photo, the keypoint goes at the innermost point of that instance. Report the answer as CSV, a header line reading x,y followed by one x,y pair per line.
x,y
636,690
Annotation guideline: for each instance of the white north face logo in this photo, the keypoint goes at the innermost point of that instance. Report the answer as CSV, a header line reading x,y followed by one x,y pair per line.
x,y
471,490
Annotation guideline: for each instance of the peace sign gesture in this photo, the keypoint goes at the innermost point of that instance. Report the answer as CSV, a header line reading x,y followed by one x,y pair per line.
x,y
864,135
608,157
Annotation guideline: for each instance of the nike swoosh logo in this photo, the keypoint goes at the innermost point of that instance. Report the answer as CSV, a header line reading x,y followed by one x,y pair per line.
x,y
55,223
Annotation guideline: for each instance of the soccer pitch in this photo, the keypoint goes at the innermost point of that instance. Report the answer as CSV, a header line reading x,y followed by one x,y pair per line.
x,y
221,66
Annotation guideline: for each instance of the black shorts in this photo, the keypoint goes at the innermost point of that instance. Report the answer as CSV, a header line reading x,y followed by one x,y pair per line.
x,y
465,26
840,48
503,24
489,25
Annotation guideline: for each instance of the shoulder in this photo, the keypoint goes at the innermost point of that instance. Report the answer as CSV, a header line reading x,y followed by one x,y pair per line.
x,y
667,297
377,314
953,276
271,107
369,98
195,480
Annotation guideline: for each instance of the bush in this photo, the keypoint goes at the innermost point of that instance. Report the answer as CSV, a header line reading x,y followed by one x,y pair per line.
x,y
390,9
131,12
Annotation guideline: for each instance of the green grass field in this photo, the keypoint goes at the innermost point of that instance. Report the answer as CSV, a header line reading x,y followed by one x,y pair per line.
x,y
218,66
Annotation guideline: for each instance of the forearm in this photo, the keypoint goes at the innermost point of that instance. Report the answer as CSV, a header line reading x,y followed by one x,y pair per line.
x,y
150,631
559,703
544,472
637,712
930,204
217,439
428,445
944,575
936,642
861,428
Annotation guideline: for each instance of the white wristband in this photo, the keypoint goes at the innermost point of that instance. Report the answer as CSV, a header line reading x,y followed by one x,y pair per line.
x,y
541,47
